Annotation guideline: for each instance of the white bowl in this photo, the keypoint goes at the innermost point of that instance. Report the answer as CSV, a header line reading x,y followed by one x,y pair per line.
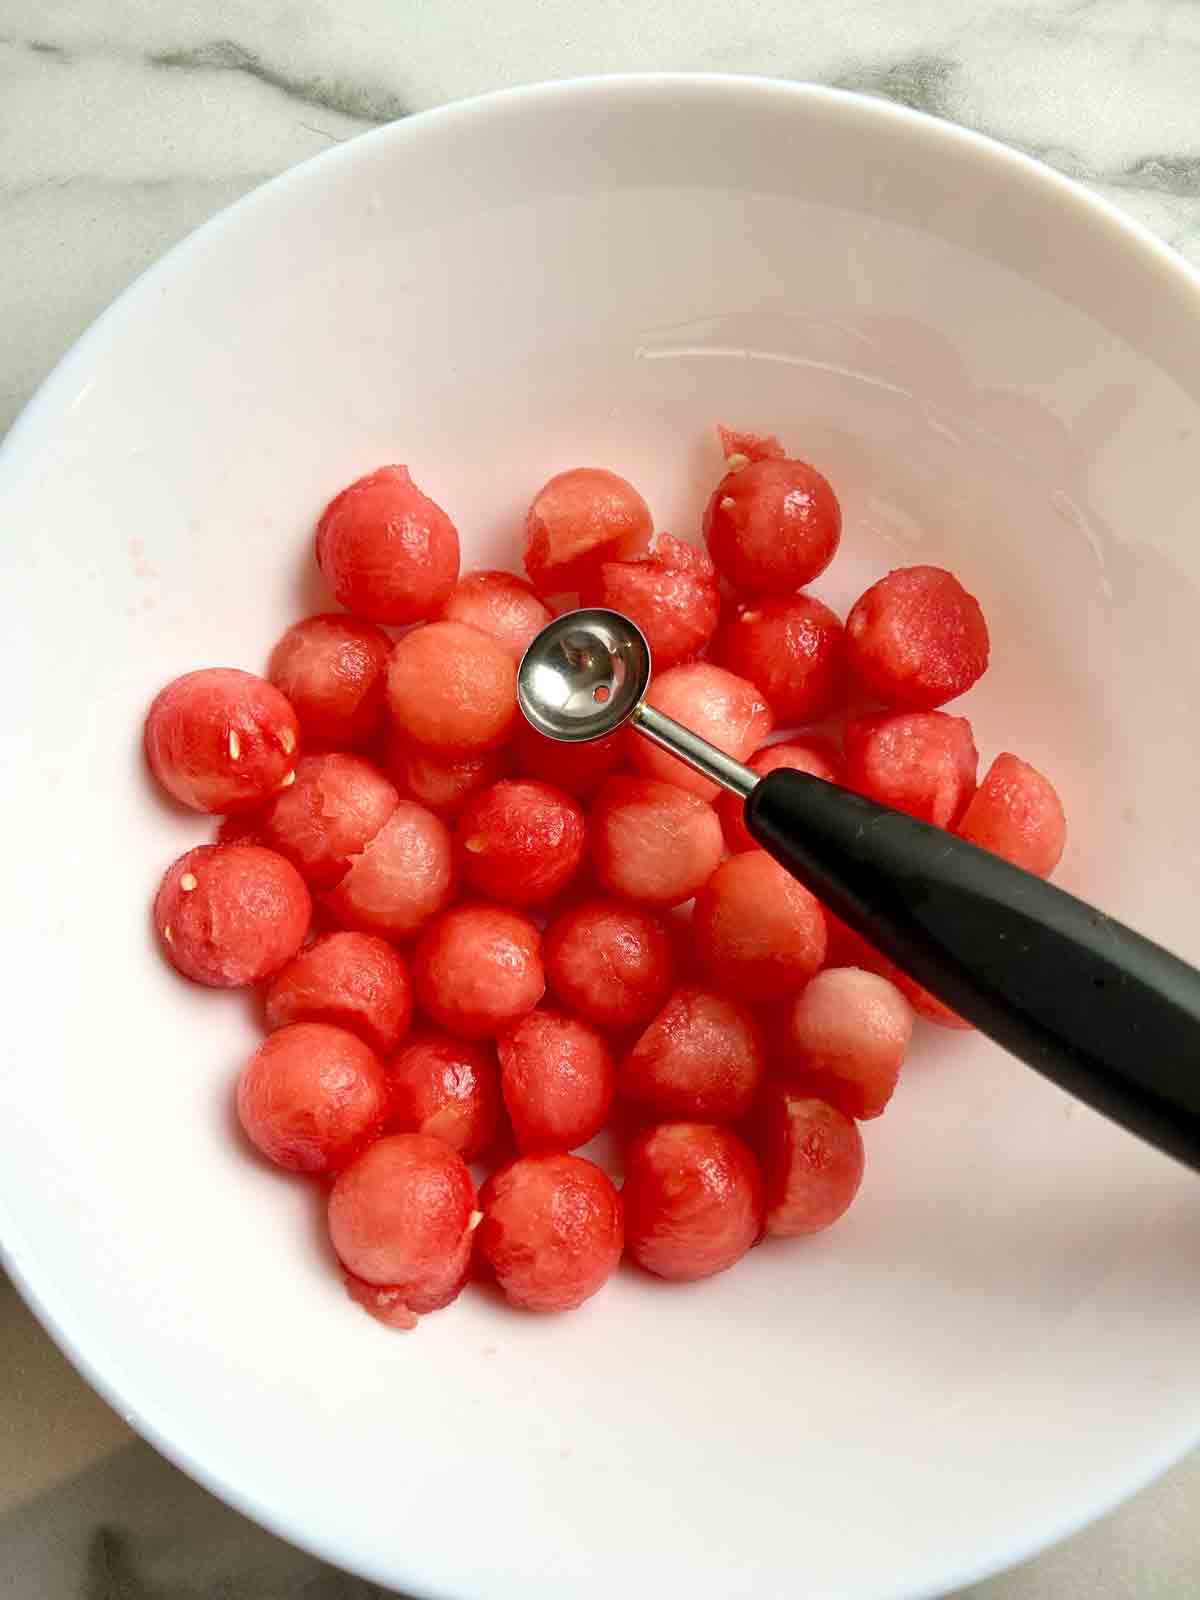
x,y
998,373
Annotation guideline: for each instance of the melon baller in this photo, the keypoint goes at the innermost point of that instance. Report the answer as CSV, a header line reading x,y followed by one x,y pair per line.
x,y
1106,1014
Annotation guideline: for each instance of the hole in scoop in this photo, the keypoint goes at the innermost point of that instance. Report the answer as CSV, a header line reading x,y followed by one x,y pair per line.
x,y
601,693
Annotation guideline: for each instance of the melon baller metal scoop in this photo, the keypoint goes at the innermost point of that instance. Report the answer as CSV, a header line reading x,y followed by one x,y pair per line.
x,y
1106,1014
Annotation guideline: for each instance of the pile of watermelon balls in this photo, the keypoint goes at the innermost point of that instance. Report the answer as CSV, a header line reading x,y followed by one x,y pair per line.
x,y
473,943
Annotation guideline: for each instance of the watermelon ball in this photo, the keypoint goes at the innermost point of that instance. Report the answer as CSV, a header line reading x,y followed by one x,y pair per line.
x,y
772,526
916,639
557,1079
609,962
579,520
1016,813
653,842
848,1032
759,935
520,842
243,827
452,689
442,784
448,1088
351,980
693,1198
399,1306
333,810
332,669
388,552
401,1220
701,1059
478,969
726,710
231,914
552,1231
501,605
814,756
812,1159
921,762
581,769
221,740
400,878
312,1096
739,447
671,595
792,649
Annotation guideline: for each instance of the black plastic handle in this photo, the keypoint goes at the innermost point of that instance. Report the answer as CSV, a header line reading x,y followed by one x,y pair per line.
x,y
1106,1014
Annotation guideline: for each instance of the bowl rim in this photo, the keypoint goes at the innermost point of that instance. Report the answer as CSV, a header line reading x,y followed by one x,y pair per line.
x,y
1121,223
106,1372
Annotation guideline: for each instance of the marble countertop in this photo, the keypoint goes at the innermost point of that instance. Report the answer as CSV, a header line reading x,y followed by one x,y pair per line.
x,y
124,124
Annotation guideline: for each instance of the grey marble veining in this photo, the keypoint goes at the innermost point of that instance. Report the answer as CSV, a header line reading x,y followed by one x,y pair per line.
x,y
125,123
1103,89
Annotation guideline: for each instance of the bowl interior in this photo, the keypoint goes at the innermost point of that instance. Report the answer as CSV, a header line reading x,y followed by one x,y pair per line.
x,y
997,376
